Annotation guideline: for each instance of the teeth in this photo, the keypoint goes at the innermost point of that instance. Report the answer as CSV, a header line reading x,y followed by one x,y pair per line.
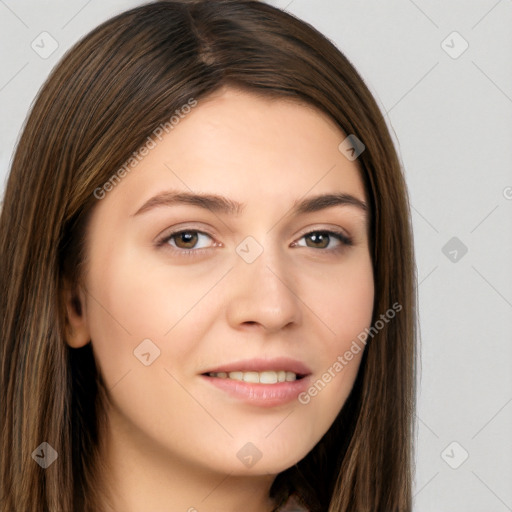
x,y
266,377
290,376
252,377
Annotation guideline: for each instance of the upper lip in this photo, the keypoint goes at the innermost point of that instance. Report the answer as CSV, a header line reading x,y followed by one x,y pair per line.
x,y
261,365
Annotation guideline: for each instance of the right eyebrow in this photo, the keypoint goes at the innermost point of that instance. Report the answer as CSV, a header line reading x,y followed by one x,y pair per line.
x,y
212,202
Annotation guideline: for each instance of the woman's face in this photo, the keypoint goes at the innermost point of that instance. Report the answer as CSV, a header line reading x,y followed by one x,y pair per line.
x,y
258,290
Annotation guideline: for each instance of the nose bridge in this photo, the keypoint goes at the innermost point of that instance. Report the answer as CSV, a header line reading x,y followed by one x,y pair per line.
x,y
263,290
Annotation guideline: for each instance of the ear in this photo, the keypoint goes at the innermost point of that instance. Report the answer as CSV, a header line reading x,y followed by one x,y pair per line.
x,y
77,328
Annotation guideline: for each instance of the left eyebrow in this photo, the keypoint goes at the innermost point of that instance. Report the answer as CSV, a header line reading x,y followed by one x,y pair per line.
x,y
221,204
322,201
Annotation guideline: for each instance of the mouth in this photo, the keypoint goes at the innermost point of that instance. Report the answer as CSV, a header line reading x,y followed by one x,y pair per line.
x,y
264,377
264,383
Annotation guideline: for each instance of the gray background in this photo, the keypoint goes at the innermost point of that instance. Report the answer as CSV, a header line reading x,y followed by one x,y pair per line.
x,y
451,120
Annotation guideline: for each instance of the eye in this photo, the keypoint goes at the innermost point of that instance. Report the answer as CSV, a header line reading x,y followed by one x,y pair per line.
x,y
187,239
325,239
193,242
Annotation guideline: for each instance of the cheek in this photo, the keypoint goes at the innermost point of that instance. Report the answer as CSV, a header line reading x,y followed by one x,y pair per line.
x,y
129,302
344,303
343,300
123,309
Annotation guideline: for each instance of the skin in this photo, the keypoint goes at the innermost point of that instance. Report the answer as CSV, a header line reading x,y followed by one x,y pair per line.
x,y
173,438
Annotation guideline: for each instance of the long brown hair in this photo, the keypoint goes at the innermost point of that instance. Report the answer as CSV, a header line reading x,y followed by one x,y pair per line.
x,y
100,103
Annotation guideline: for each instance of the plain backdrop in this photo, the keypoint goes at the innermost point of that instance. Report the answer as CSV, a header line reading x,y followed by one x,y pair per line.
x,y
442,74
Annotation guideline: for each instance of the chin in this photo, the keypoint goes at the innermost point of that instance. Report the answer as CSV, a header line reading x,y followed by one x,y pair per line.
x,y
265,457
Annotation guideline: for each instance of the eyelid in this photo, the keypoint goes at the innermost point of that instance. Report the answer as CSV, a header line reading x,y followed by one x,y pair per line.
x,y
204,229
336,230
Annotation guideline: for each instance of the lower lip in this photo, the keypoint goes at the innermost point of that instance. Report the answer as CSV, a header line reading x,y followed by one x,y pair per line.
x,y
262,395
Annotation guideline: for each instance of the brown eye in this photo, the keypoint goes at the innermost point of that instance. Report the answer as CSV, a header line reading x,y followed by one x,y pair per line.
x,y
319,239
189,239
323,239
185,239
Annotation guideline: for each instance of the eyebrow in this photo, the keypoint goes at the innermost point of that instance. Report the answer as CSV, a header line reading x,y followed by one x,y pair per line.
x,y
220,204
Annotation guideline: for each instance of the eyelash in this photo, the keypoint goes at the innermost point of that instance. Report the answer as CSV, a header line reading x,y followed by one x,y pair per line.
x,y
344,240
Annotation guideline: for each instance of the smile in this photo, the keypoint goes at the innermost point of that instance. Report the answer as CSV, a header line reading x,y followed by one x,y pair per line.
x,y
265,377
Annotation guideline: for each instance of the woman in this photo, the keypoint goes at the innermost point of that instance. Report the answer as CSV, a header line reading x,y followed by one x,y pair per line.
x,y
209,277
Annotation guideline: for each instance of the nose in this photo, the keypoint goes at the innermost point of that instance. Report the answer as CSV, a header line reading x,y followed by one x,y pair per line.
x,y
263,294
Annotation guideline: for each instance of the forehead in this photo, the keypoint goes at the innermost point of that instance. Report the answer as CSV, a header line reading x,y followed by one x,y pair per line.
x,y
250,148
